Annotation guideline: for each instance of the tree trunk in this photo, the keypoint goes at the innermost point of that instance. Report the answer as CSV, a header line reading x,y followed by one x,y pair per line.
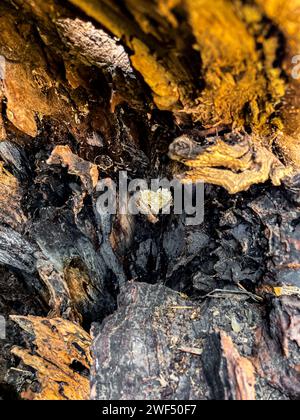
x,y
192,89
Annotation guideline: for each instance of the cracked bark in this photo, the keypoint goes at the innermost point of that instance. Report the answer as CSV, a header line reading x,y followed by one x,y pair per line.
x,y
196,89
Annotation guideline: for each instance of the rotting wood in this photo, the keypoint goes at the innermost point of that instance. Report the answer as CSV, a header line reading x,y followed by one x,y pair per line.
x,y
235,163
11,195
89,88
58,345
229,364
237,76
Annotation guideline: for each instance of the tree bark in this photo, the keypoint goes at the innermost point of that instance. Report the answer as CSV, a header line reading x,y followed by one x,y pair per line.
x,y
193,89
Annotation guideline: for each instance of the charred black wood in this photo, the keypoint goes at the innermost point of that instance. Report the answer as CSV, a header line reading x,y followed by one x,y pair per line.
x,y
160,345
132,350
179,312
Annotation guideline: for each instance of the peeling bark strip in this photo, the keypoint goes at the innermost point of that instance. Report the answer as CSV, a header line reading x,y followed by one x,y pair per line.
x,y
278,344
93,45
234,376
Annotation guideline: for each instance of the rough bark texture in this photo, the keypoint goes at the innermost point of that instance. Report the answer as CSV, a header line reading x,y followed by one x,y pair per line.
x,y
193,88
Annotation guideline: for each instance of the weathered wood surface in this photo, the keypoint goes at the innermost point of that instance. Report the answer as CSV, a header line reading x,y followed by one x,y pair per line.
x,y
195,89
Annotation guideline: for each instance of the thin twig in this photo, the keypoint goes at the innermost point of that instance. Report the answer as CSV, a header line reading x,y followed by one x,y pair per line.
x,y
183,307
231,292
190,350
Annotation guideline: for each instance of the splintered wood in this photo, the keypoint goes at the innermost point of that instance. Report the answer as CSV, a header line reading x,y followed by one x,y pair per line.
x,y
88,173
235,165
11,196
60,349
196,90
240,370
